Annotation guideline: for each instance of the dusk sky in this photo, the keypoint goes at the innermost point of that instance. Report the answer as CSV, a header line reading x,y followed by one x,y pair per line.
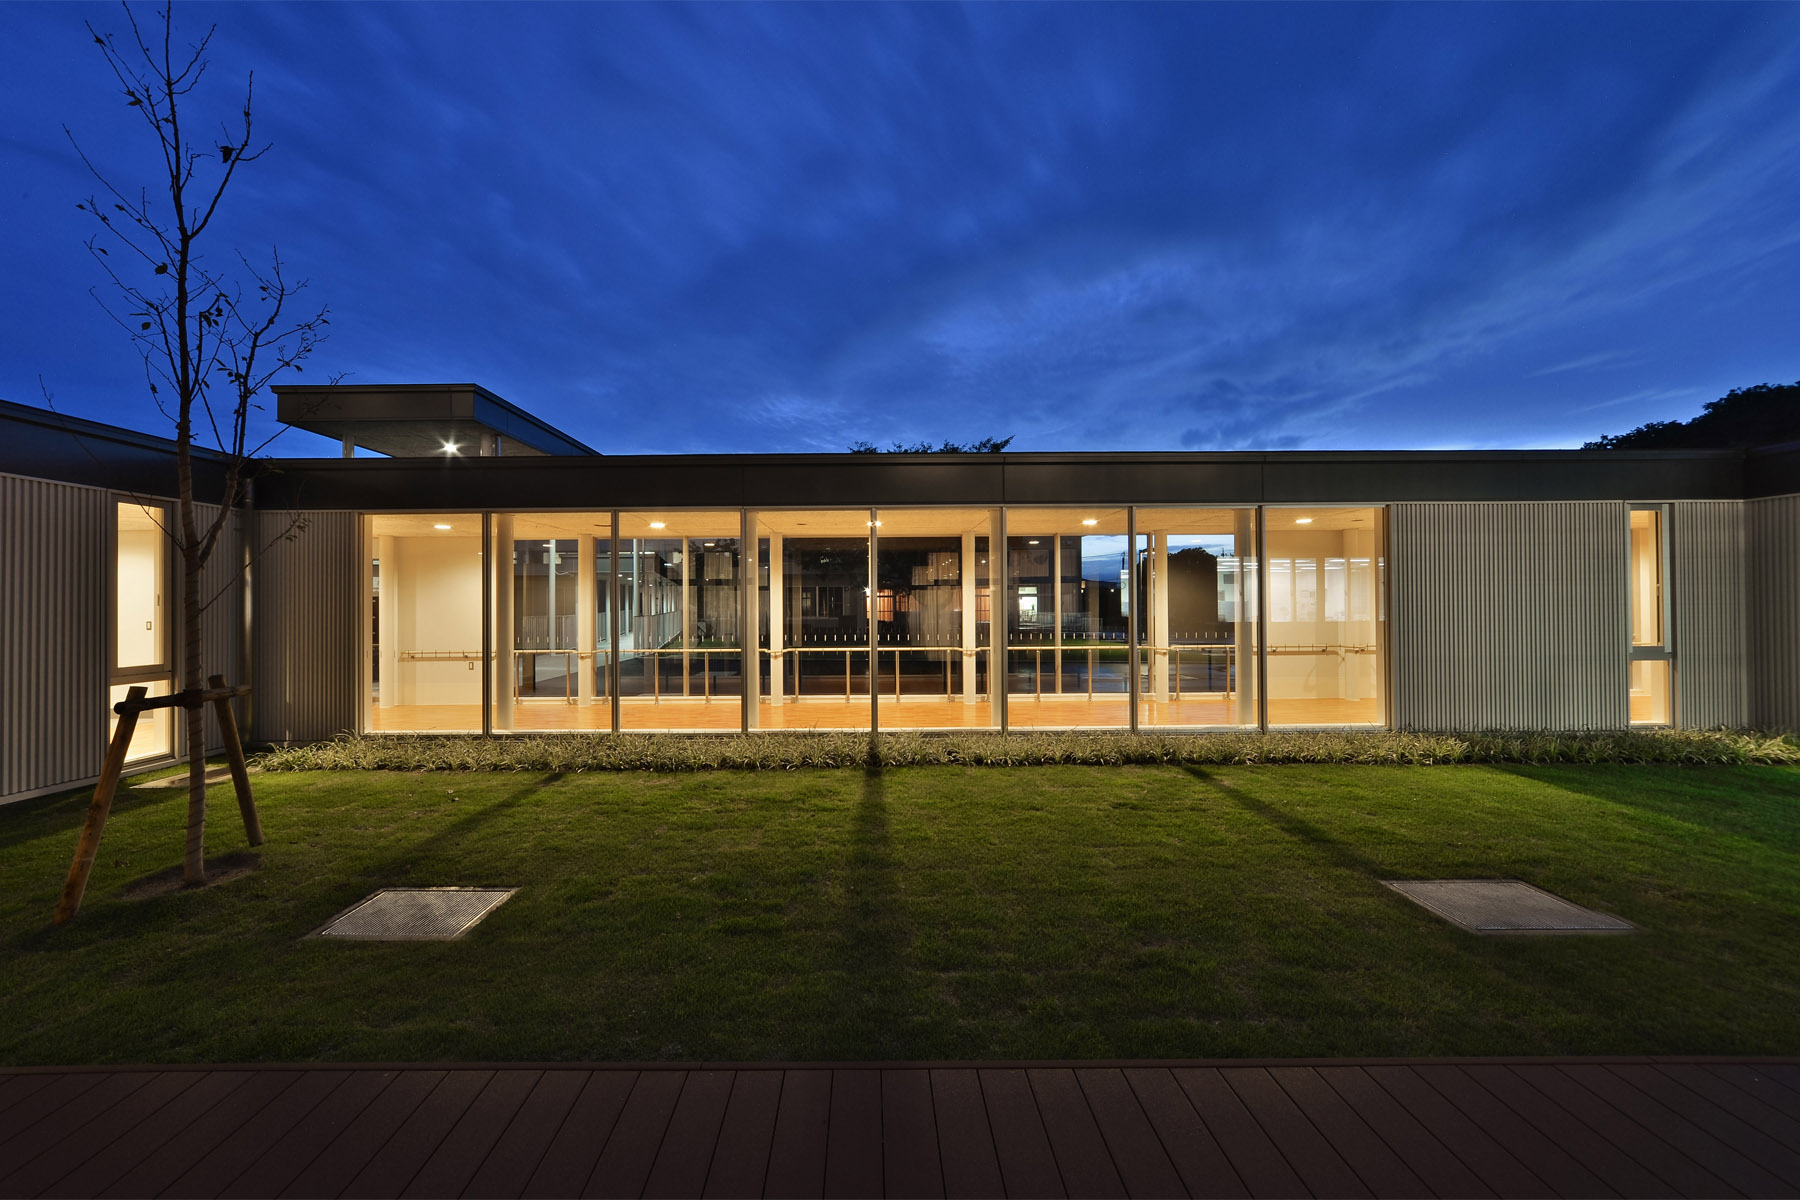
x,y
686,228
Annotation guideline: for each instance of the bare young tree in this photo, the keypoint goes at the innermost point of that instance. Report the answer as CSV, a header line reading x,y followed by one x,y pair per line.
x,y
211,339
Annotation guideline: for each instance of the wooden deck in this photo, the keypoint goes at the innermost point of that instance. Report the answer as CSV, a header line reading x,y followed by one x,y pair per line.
x,y
1602,1127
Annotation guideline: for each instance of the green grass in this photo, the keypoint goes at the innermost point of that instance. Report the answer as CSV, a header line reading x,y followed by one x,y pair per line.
x,y
922,913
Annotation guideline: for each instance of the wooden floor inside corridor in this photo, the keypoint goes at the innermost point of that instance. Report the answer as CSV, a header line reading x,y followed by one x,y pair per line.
x,y
1628,1127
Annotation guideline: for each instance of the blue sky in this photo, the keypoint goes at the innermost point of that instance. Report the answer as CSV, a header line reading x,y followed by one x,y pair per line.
x,y
687,228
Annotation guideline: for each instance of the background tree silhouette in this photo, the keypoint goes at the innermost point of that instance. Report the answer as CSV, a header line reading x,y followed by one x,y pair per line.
x,y
1754,416
211,337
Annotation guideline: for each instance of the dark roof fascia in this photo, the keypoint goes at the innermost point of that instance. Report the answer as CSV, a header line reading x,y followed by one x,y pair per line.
x,y
854,480
43,444
1772,470
468,401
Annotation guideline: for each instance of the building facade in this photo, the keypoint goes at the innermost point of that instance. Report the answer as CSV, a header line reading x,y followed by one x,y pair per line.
x,y
498,581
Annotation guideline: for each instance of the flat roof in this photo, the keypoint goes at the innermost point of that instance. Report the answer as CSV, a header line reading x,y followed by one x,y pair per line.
x,y
419,420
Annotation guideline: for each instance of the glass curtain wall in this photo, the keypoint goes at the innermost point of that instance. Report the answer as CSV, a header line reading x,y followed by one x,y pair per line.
x,y
681,649
422,672
1196,571
550,631
813,603
1327,622
931,667
1067,605
1649,681
141,645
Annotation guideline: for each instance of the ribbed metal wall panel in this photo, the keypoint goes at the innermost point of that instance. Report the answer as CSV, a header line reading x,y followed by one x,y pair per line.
x,y
308,624
1509,615
1706,569
222,624
53,614
1772,611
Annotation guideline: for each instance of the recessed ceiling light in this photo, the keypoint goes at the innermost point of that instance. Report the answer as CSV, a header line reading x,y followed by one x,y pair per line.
x,y
1090,520
440,527
659,525
1303,520
1032,542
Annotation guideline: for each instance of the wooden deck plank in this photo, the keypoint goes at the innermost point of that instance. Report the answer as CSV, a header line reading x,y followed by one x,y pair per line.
x,y
78,1107
175,1157
624,1165
1788,1076
291,1151
1677,1132
853,1150
1263,1168
521,1146
1564,1169
683,1160
452,1166
1143,1165
49,1159
1675,1169
569,1159
1082,1156
1743,1122
1373,1160
1498,1169
243,1147
909,1141
740,1161
1427,1157
1204,1169
16,1089
1321,1168
164,1122
412,1144
1755,1079
1027,1164
965,1141
1619,1172
802,1125
340,1151
57,1092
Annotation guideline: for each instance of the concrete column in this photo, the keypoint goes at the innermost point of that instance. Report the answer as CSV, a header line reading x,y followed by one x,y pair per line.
x,y
387,551
586,617
1056,594
505,637
1360,670
1243,630
349,447
750,614
997,611
1159,615
777,616
968,618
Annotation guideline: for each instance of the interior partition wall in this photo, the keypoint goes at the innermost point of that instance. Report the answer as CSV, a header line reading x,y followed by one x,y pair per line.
x,y
1025,617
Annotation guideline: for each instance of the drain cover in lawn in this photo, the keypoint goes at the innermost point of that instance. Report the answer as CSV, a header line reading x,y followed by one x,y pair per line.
x,y
1504,906
416,914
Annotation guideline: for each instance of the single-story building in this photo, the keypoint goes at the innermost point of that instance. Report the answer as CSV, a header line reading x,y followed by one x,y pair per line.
x,y
492,575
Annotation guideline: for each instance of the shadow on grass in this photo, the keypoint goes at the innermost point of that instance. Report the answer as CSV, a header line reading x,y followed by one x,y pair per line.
x,y
870,952
1296,827
442,842
1757,803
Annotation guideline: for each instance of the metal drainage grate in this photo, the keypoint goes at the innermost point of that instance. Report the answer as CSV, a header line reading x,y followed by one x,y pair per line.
x,y
1505,906
415,914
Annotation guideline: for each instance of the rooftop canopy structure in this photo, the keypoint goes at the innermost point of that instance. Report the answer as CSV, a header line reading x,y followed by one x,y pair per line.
x,y
421,420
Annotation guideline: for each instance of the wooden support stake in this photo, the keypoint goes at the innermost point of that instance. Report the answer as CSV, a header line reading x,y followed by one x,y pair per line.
x,y
89,845
234,754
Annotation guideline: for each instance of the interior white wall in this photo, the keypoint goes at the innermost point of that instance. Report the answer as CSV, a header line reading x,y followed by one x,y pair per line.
x,y
434,587
139,633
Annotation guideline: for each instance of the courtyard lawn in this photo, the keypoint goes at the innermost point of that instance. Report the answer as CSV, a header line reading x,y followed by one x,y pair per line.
x,y
921,913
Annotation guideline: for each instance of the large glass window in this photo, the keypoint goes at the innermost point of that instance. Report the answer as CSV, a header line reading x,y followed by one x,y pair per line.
x,y
931,669
1196,569
424,619
1648,683
680,644
1067,604
141,644
550,636
1327,623
814,602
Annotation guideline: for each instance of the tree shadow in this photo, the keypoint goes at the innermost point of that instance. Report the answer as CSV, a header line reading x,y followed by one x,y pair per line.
x,y
462,828
870,951
1297,827
1759,804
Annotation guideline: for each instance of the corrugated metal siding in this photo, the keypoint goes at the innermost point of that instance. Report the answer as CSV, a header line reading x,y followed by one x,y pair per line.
x,y
1509,615
53,614
308,624
1706,569
1772,611
222,624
